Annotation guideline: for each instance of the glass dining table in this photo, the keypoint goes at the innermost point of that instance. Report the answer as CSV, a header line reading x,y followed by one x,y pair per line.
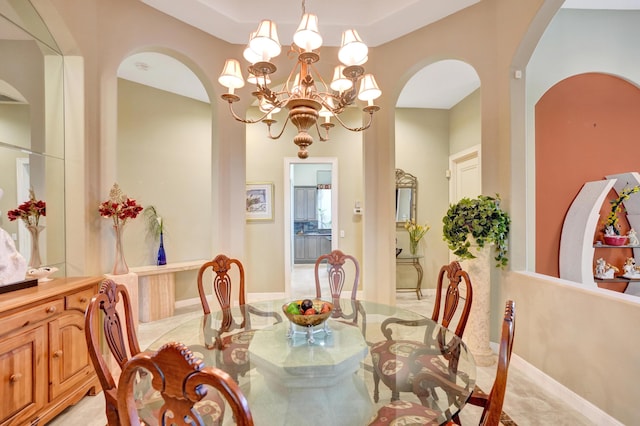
x,y
289,379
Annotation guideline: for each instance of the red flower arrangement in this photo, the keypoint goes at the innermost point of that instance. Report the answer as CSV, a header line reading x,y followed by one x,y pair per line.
x,y
119,207
29,211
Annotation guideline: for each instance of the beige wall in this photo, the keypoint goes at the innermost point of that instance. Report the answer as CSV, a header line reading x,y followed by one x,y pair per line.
x,y
422,149
265,241
164,160
495,37
465,124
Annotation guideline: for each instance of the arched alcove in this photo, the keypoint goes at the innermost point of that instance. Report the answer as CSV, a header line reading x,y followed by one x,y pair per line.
x,y
437,115
586,129
164,159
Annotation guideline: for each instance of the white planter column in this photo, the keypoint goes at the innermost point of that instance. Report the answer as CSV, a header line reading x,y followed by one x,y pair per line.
x,y
477,332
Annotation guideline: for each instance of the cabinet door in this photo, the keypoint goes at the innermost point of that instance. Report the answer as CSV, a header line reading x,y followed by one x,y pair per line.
x,y
299,203
311,247
298,248
325,245
23,371
310,203
69,361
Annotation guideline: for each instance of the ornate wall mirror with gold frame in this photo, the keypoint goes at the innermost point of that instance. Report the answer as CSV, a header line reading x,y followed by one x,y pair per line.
x,y
406,197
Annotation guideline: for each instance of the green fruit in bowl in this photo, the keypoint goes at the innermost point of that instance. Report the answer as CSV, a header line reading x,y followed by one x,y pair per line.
x,y
293,308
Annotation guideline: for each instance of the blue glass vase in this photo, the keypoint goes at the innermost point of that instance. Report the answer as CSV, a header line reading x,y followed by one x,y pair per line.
x,y
162,256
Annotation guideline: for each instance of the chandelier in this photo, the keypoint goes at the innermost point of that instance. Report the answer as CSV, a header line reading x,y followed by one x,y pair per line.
x,y
304,93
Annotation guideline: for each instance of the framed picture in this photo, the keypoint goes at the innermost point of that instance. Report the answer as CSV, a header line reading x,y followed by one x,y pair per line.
x,y
259,201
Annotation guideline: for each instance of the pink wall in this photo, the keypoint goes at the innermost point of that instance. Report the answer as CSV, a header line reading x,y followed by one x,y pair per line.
x,y
587,126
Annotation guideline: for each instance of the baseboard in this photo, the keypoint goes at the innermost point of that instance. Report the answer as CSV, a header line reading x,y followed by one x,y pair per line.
x,y
564,394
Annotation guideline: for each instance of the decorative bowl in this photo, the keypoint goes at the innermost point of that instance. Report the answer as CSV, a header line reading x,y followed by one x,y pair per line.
x,y
308,320
42,274
615,240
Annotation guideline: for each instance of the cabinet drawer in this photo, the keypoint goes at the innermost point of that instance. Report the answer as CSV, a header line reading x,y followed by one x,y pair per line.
x,y
32,315
79,300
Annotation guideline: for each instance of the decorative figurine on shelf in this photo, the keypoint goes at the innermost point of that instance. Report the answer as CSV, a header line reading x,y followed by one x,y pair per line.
x,y
605,270
633,238
630,269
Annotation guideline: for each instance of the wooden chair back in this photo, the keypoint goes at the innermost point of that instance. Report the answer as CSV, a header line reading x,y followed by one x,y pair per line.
x,y
337,276
493,407
222,287
109,296
180,378
455,275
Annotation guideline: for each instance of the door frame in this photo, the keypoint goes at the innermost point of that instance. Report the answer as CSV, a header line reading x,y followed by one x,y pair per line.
x,y
288,210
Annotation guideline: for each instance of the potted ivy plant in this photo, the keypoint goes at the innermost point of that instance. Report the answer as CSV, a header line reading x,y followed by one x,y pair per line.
x,y
479,220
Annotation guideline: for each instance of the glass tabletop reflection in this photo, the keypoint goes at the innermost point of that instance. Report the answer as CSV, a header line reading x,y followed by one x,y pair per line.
x,y
286,379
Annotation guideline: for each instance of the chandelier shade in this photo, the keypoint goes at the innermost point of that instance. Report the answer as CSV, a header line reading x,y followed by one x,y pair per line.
x,y
304,93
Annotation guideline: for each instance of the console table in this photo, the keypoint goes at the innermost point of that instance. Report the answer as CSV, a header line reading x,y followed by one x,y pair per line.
x,y
412,259
157,288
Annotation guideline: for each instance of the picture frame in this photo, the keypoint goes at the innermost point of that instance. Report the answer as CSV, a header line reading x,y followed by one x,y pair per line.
x,y
259,201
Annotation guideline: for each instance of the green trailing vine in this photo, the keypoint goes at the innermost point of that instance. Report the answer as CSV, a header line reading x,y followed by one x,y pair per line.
x,y
480,219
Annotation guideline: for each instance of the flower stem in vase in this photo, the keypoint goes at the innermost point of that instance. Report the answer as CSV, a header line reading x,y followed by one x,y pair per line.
x,y
413,246
162,257
120,264
34,260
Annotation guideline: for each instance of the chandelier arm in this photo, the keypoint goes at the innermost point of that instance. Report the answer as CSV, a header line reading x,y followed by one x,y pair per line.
x,y
244,120
284,126
356,129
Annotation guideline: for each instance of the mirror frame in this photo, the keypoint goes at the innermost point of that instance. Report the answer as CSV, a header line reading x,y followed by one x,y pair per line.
x,y
407,180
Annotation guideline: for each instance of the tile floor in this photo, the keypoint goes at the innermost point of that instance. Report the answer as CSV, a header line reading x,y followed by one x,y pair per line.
x,y
526,402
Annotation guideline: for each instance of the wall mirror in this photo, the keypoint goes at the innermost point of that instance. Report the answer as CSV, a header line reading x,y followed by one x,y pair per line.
x,y
31,127
406,197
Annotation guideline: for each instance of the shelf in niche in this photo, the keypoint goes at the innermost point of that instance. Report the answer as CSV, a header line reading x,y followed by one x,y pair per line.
x,y
612,246
619,279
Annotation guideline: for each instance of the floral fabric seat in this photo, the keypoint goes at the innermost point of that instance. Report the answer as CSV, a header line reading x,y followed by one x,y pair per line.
x,y
405,413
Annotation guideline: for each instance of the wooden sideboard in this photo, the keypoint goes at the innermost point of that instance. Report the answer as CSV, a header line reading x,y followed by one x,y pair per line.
x,y
44,362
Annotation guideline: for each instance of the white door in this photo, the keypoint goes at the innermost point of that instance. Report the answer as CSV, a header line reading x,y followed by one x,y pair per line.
x,y
466,176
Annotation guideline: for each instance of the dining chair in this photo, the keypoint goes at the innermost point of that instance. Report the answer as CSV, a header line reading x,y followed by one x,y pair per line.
x,y
180,379
335,262
492,403
109,296
232,338
396,362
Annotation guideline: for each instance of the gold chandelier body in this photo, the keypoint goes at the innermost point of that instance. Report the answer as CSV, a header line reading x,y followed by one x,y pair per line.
x,y
307,98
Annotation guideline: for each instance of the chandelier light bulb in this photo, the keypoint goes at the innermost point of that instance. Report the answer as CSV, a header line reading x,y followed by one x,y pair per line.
x,y
340,83
325,112
353,50
369,88
249,54
265,43
264,80
307,36
231,76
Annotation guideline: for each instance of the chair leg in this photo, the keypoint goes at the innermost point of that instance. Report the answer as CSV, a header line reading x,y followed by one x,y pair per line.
x,y
395,395
376,382
112,415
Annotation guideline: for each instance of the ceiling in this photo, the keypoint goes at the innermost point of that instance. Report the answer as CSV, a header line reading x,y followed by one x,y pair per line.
x,y
440,85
